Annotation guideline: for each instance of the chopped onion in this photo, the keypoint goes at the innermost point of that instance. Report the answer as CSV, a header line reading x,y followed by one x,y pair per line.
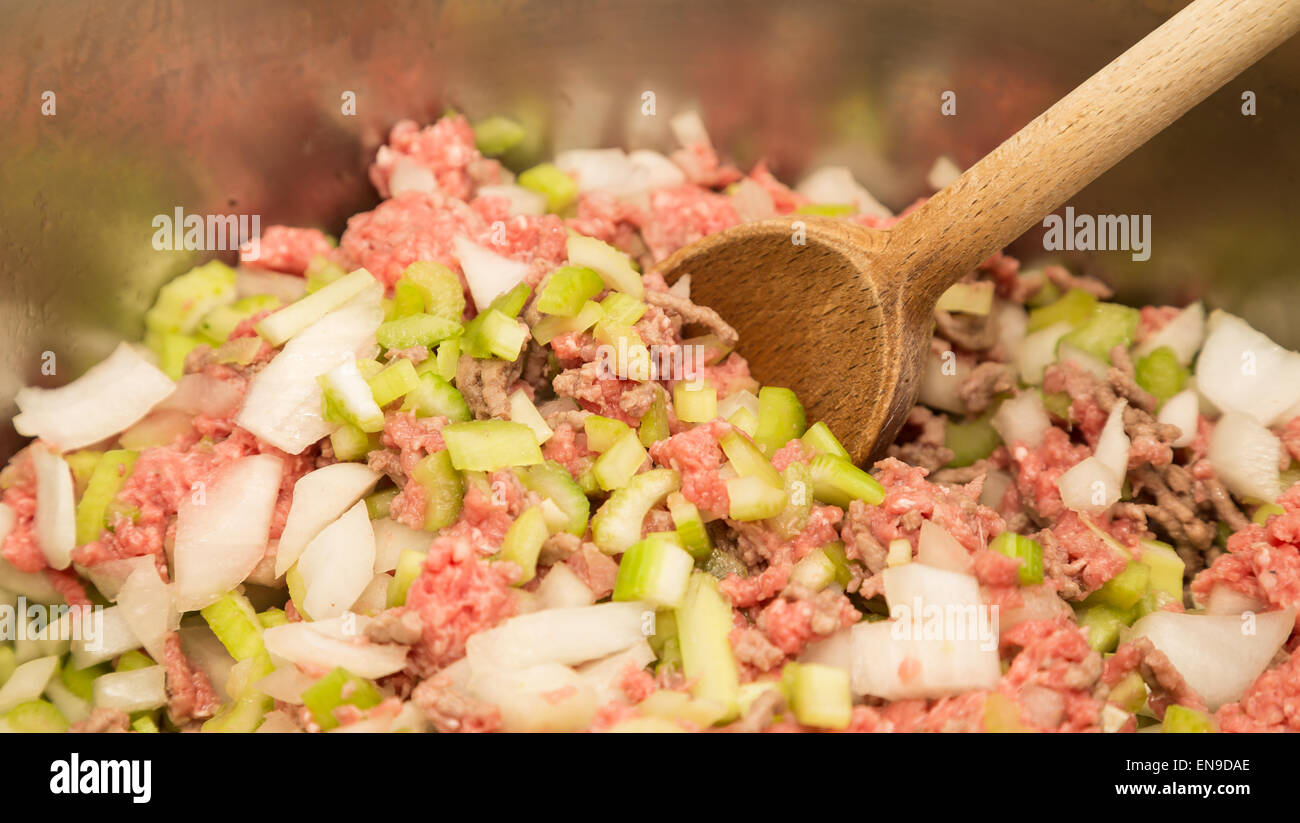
x,y
283,404
222,534
688,128
393,538
112,636
939,549
1090,487
546,697
883,653
487,273
1012,323
996,483
278,722
1087,363
1022,419
319,498
286,683
835,184
109,575
158,428
131,691
374,597
834,650
905,584
1184,334
287,287
35,586
56,507
1241,370
560,636
522,200
941,381
751,201
409,175
102,402
27,682
336,642
604,675
148,609
1245,456
654,171
1040,603
1181,410
201,393
338,564
1038,351
1223,599
561,588
1219,656
1113,444
206,652
743,399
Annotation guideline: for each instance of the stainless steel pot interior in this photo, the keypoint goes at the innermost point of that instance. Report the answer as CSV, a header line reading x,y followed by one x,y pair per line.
x,y
237,107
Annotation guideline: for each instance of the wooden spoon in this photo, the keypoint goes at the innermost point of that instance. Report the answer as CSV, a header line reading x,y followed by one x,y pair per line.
x,y
845,318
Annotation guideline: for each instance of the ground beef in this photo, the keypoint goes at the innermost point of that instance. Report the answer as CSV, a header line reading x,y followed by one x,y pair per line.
x,y
103,720
189,692
971,332
1167,686
982,386
450,709
696,455
1271,704
287,250
485,385
922,441
693,315
752,648
395,626
594,568
1061,277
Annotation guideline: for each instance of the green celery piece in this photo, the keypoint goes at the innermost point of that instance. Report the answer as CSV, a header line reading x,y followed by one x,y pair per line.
x,y
132,660
695,405
1047,293
416,330
1124,590
80,682
242,716
553,482
691,530
814,572
751,498
1104,624
435,397
338,688
378,503
745,420
172,348
1264,512
448,358
617,464
622,308
613,266
568,289
407,299
278,327
443,295
838,482
144,725
559,189
444,489
321,271
82,463
1160,373
409,565
512,302
819,694
1110,325
396,380
272,617
748,461
617,524
1165,568
970,441
523,542
820,439
798,487
653,426
1026,550
704,624
603,432
351,443
1182,720
654,570
1074,307
35,717
551,327
496,135
112,470
488,445
347,395
494,334
235,623
840,560
780,419
182,302
1130,693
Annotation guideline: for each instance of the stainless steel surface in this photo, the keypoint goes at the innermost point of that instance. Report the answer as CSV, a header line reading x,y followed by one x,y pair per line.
x,y
236,107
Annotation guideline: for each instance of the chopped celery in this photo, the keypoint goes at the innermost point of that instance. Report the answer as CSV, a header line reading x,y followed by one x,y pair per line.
x,y
838,482
394,381
523,542
378,503
703,632
1110,325
297,589
82,463
182,303
551,327
241,351
1124,590
523,411
1160,373
814,572
1024,549
447,359
433,396
444,489
349,396
653,426
1103,624
494,334
321,271
1182,720
1058,404
553,482
350,443
970,441
1002,715
1047,293
172,349
278,327
967,298
780,419
407,299
834,552
748,461
559,189
691,531
1130,693
218,324
235,623
613,266
244,715
416,330
827,209
819,439
695,404
752,498
488,445
105,481
900,552
617,464
617,524
1264,512
1165,568
819,694
339,687
496,135
654,570
797,484
622,308
443,295
35,717
133,660
1074,307
144,725
603,432
272,617
745,420
512,302
568,289
409,565
78,681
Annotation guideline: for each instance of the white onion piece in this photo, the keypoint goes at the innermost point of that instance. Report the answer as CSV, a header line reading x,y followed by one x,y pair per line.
x,y
111,637
222,535
1090,487
286,683
158,428
883,654
943,172
327,643
688,128
1245,457
546,697
1184,334
834,650
200,393
148,609
319,498
1038,351
906,584
108,398
996,483
654,171
522,200
560,636
393,538
409,175
56,507
338,564
743,399
131,691
27,682
939,549
1086,362
278,722
1012,322
1040,603
206,652
941,381
109,576
1241,370
1113,443
1181,410
283,403
561,588
1223,599
835,184
487,273
35,586
374,597
596,169
1218,655
751,201
1022,419
287,287
606,674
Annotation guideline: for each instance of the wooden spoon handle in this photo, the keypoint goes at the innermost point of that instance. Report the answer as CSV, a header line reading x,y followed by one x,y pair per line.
x,y
1085,133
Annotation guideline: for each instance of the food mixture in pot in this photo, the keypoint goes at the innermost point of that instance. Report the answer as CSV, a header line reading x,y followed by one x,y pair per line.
x,y
475,466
